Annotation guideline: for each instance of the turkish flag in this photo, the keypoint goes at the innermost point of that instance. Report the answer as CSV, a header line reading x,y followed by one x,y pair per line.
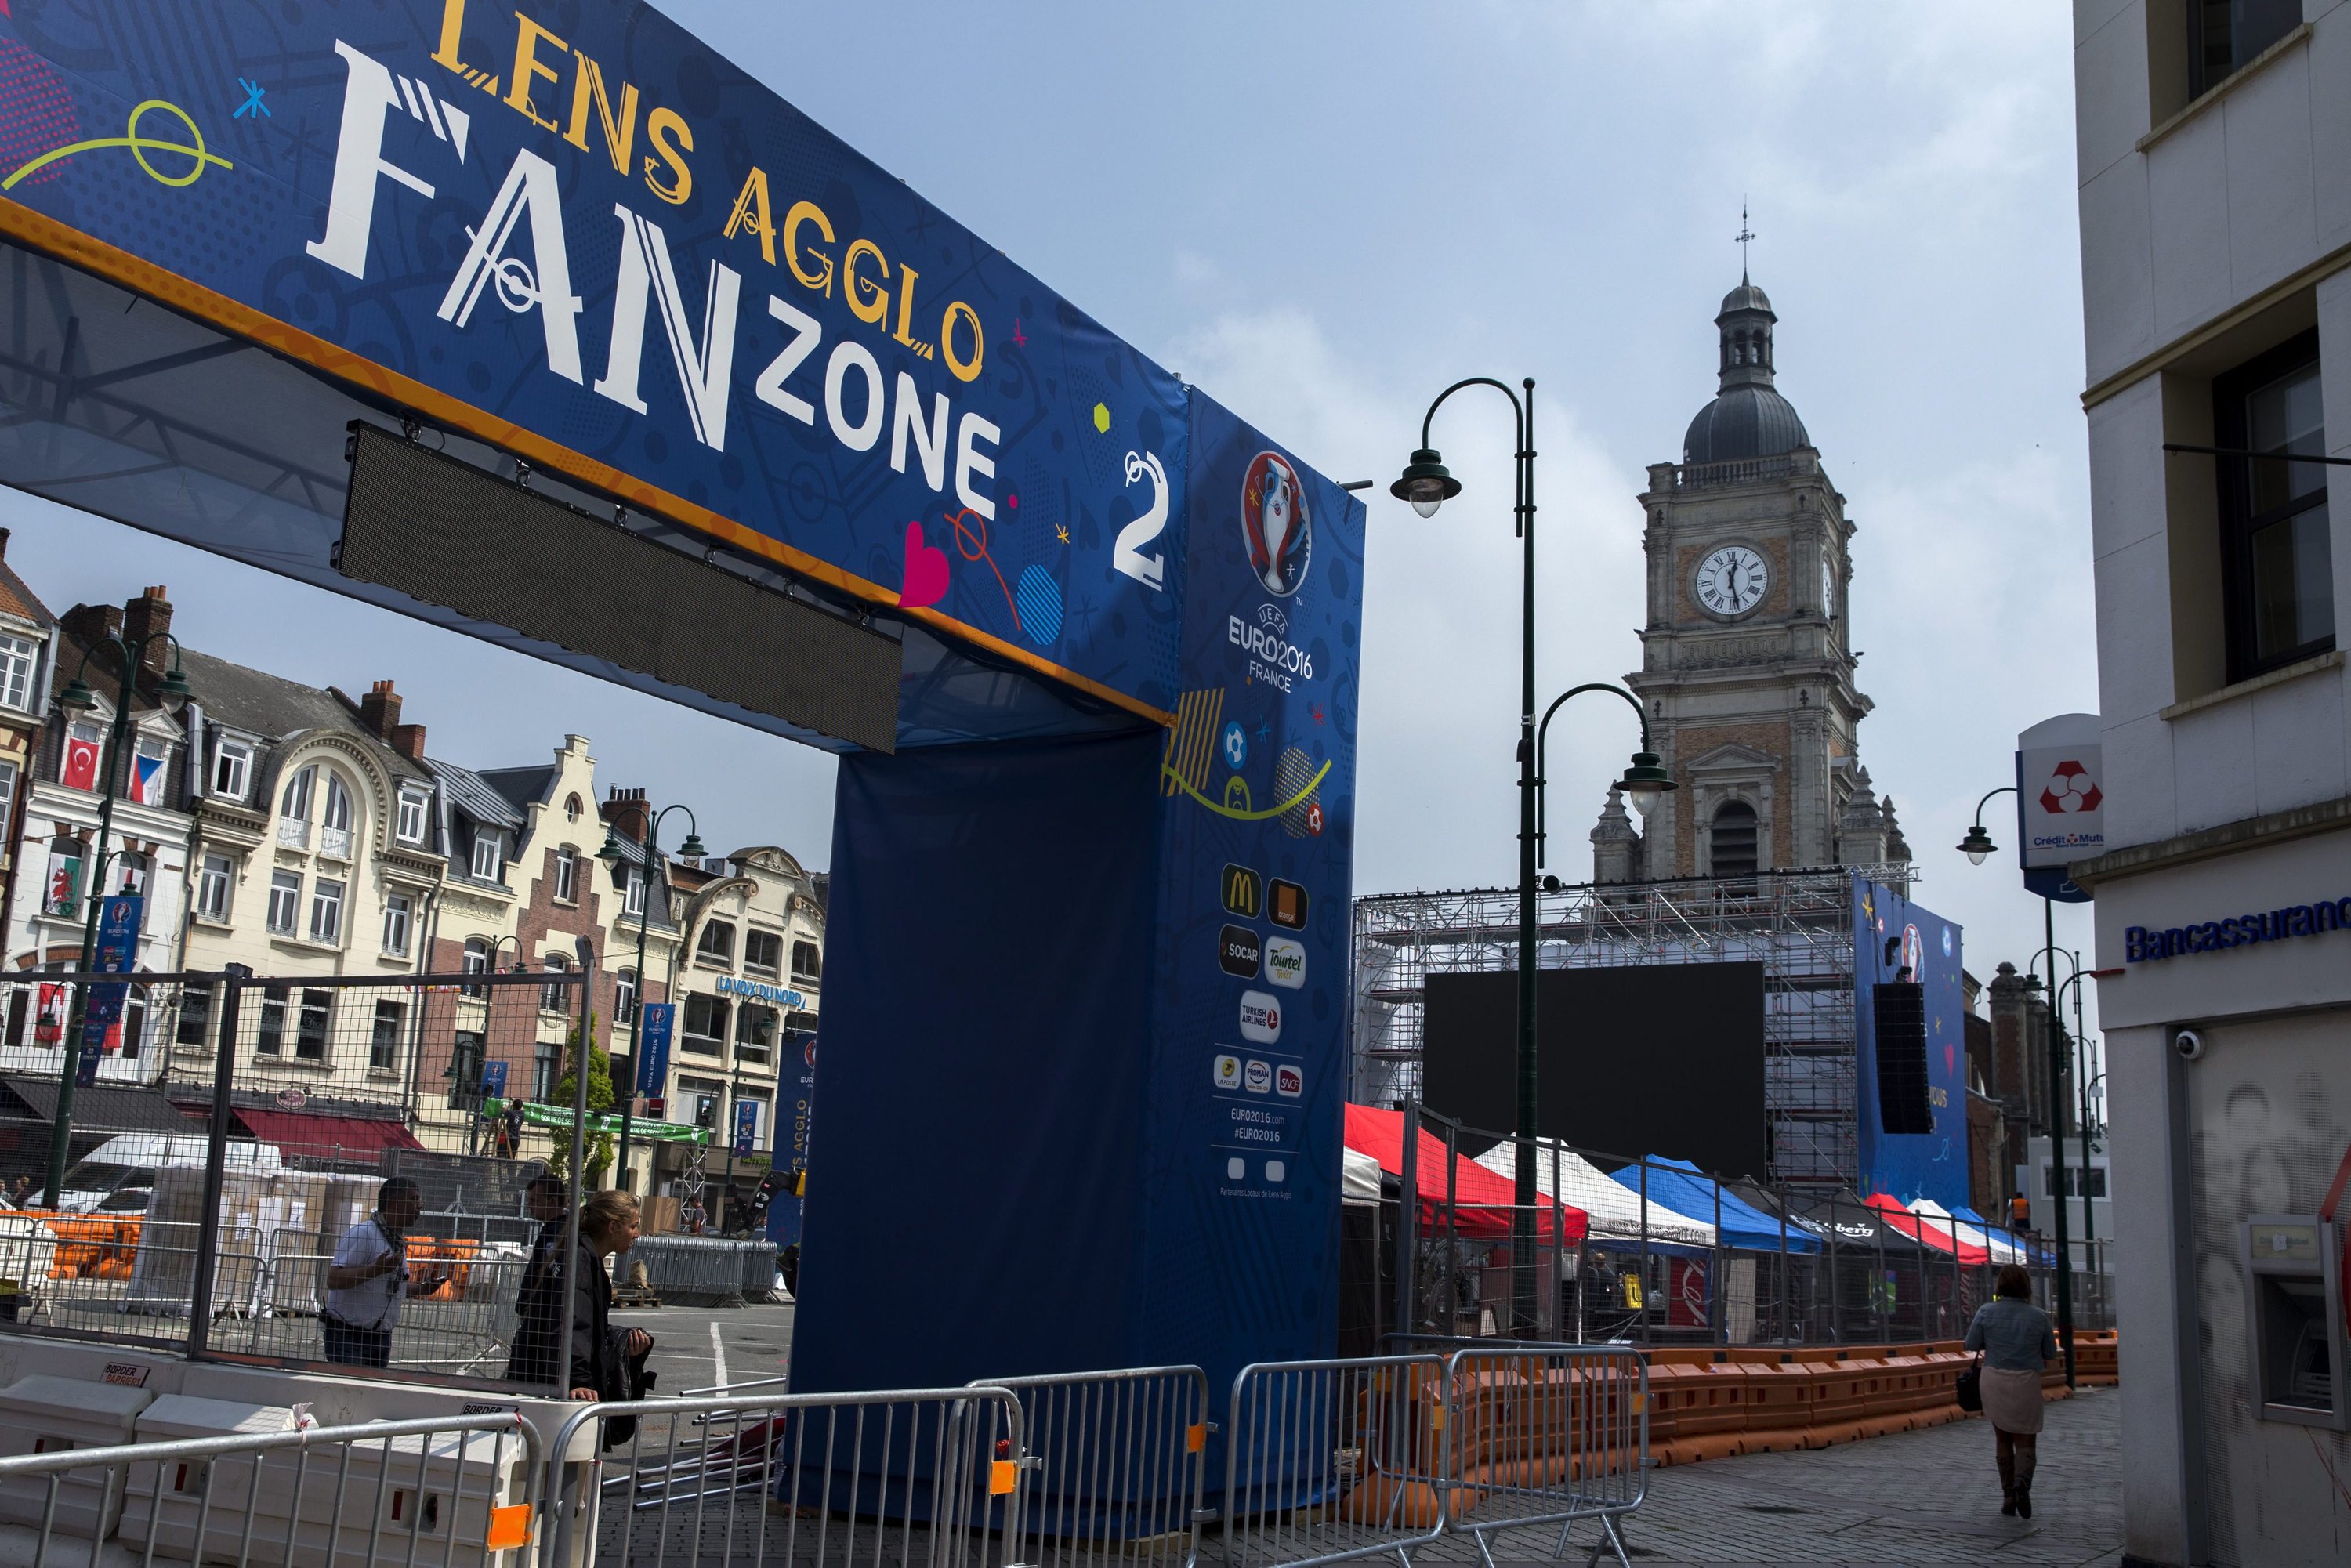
x,y
80,771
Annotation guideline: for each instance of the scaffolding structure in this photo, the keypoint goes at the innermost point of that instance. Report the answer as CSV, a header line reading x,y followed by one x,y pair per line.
x,y
1797,924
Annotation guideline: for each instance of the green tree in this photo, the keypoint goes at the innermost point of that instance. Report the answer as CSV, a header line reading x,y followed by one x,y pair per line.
x,y
600,1100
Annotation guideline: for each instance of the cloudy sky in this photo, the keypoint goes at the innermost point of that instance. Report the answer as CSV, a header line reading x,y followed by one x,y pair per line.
x,y
1324,213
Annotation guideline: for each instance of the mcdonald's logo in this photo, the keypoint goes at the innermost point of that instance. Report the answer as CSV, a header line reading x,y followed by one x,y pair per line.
x,y
1244,893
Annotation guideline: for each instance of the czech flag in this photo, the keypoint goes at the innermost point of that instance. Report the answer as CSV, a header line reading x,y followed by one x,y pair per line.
x,y
147,780
80,770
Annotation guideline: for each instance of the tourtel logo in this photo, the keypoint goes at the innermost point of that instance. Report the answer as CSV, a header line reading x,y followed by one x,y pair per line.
x,y
1260,1016
1285,962
1273,658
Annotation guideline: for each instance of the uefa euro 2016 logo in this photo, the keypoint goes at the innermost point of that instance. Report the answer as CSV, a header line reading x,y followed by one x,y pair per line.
x,y
1274,524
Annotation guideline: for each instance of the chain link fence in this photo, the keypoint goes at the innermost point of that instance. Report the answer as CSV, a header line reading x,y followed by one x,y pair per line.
x,y
227,1154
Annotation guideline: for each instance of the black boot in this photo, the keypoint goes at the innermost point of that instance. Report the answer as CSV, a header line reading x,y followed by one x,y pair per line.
x,y
2024,1500
2007,1463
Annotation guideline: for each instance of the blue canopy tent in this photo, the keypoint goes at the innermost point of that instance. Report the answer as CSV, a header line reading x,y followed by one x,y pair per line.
x,y
1682,1186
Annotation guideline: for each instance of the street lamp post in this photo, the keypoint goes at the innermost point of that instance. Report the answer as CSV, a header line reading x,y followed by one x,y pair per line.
x,y
1427,484
131,653
615,856
1978,847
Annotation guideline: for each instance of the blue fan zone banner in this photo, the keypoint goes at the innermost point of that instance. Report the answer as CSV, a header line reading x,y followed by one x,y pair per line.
x,y
575,231
1890,933
653,1036
747,1126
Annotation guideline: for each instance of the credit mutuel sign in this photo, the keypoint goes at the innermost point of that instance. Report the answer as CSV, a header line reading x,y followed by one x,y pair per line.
x,y
2143,944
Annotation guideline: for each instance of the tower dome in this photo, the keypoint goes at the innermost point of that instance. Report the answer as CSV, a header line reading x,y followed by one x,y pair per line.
x,y
1747,418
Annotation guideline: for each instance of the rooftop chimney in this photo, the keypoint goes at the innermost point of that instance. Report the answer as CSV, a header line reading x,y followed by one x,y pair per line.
x,y
148,617
379,711
408,739
625,811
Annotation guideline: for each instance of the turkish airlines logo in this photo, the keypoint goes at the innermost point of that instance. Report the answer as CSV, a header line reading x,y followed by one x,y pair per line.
x,y
1260,1016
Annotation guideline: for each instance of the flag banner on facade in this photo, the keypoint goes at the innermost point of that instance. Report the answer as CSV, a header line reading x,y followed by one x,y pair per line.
x,y
640,1128
80,769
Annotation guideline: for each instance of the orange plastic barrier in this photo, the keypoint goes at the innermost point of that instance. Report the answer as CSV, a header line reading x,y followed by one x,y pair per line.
x,y
90,1246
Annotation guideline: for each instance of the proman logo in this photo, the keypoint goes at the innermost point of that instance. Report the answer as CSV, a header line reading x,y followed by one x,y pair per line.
x,y
1244,893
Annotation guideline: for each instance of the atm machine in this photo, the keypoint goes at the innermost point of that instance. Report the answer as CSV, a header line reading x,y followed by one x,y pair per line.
x,y
2294,1283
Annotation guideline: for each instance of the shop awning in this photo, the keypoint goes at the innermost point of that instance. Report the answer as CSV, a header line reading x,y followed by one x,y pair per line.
x,y
304,1135
2000,1247
1478,1202
102,1107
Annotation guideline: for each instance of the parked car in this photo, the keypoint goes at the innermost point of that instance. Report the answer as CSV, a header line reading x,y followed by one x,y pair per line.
x,y
118,1175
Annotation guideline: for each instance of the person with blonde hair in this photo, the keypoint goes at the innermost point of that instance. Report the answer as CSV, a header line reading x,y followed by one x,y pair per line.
x,y
2013,1339
607,1363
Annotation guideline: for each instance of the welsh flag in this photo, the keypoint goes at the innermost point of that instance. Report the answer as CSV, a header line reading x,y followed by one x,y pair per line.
x,y
147,780
80,770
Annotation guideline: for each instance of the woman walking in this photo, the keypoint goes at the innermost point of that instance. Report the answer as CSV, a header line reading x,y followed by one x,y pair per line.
x,y
2014,1338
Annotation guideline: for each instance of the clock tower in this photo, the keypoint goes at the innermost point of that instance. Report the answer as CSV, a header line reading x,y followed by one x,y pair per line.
x,y
1746,673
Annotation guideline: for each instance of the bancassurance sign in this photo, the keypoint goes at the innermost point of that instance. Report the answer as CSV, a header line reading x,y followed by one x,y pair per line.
x,y
2145,943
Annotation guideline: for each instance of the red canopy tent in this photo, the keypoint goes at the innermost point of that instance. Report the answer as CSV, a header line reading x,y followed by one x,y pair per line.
x,y
1481,1200
1926,1232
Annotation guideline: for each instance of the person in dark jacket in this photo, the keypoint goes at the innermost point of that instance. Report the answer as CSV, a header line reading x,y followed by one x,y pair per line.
x,y
538,1342
2015,1337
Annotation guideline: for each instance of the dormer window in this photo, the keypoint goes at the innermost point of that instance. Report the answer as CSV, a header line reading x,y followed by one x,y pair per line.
x,y
415,806
295,804
18,656
232,769
489,853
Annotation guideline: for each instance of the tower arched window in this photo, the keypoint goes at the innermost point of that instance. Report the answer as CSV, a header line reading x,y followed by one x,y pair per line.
x,y
1731,840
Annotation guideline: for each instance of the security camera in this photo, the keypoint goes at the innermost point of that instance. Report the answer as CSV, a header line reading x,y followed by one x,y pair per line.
x,y
2188,1044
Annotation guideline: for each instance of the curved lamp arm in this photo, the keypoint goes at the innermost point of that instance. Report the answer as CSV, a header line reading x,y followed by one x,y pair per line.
x,y
1518,413
1542,739
2004,789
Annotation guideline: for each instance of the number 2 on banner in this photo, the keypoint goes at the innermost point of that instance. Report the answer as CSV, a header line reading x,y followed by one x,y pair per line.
x,y
1126,554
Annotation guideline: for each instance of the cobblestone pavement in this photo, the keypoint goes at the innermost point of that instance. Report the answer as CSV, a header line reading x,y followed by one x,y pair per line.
x,y
1916,1498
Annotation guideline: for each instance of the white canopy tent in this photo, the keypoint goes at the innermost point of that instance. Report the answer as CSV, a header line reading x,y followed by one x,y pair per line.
x,y
1614,1210
1359,1179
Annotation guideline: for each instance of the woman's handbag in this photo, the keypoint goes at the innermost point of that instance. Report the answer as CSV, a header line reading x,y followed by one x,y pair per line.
x,y
1969,1389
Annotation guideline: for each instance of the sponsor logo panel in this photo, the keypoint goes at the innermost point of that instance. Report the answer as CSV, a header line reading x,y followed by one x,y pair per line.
x,y
1285,962
1237,953
1287,905
1260,1016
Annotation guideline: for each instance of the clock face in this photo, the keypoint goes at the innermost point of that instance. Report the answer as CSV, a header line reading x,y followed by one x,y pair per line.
x,y
1732,580
1828,589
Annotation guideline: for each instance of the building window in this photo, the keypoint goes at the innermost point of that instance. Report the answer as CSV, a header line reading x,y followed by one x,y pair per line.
x,y
196,1025
624,997
572,807
84,751
269,1033
212,885
567,876
2224,36
310,1036
148,770
2277,562
232,769
17,657
763,952
808,964
705,1096
131,1033
555,997
383,1040
131,871
335,830
476,961
489,853
7,795
295,804
284,902
465,1056
1732,839
705,1025
716,945
413,806
635,902
546,1067
326,911
754,1031
396,910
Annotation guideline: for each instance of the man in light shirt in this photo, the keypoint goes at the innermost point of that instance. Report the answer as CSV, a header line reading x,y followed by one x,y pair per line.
x,y
369,1277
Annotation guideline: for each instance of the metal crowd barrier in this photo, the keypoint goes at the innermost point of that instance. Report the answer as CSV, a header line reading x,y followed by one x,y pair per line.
x,y
458,1492
709,1269
1116,1465
810,1480
1332,1460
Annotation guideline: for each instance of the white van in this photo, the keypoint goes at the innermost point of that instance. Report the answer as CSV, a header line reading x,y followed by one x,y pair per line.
x,y
118,1175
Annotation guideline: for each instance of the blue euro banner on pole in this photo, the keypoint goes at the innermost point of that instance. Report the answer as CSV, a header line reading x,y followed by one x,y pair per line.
x,y
116,954
653,1061
494,1081
747,1126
